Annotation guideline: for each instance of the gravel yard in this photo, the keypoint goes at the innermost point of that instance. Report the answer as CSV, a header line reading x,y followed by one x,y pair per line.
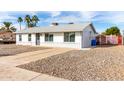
x,y
12,49
105,63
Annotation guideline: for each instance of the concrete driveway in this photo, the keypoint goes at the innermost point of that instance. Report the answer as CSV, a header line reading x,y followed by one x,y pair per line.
x,y
9,71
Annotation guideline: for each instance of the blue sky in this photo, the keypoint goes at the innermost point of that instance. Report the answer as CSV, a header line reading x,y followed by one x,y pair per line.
x,y
100,19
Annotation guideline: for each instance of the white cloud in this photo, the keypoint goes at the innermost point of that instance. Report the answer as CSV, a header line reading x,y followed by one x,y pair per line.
x,y
29,13
83,16
67,19
25,13
108,17
88,16
104,17
62,19
116,18
55,13
6,16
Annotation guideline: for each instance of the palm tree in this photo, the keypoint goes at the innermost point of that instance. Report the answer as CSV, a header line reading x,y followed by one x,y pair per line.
x,y
13,28
2,29
8,26
28,20
35,20
19,21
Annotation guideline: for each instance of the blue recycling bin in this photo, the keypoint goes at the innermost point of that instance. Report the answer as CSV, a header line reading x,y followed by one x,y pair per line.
x,y
93,42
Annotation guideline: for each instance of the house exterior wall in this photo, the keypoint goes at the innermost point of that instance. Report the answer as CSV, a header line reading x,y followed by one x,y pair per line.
x,y
87,35
58,41
25,39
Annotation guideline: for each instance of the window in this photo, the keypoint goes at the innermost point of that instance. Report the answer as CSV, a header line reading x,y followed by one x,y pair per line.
x,y
29,37
48,37
20,37
69,37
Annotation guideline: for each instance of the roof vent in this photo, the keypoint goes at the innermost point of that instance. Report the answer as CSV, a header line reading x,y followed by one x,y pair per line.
x,y
54,24
71,23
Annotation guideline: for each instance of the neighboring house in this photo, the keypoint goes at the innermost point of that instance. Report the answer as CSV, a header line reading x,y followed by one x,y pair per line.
x,y
7,37
67,35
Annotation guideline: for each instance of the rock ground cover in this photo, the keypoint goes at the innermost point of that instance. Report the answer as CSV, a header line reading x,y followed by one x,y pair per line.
x,y
12,49
103,63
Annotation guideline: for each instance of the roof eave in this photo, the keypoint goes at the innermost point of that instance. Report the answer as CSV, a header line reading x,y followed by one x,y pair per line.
x,y
93,28
46,32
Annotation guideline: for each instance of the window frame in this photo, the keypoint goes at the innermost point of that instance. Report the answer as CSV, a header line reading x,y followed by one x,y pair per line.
x,y
68,38
49,37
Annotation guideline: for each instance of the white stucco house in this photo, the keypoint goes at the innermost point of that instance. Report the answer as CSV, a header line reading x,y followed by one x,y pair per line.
x,y
66,35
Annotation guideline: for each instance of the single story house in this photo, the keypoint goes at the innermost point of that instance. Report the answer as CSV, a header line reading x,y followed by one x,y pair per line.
x,y
66,35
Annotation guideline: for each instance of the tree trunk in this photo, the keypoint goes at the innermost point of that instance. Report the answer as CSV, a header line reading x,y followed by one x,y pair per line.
x,y
20,26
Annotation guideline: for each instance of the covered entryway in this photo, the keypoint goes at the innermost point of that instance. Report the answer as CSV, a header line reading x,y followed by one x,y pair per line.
x,y
37,38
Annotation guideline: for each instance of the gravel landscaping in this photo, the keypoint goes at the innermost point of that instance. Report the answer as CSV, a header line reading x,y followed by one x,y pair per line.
x,y
12,49
102,63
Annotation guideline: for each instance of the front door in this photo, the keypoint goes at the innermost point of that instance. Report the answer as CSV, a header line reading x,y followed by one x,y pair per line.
x,y
37,38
